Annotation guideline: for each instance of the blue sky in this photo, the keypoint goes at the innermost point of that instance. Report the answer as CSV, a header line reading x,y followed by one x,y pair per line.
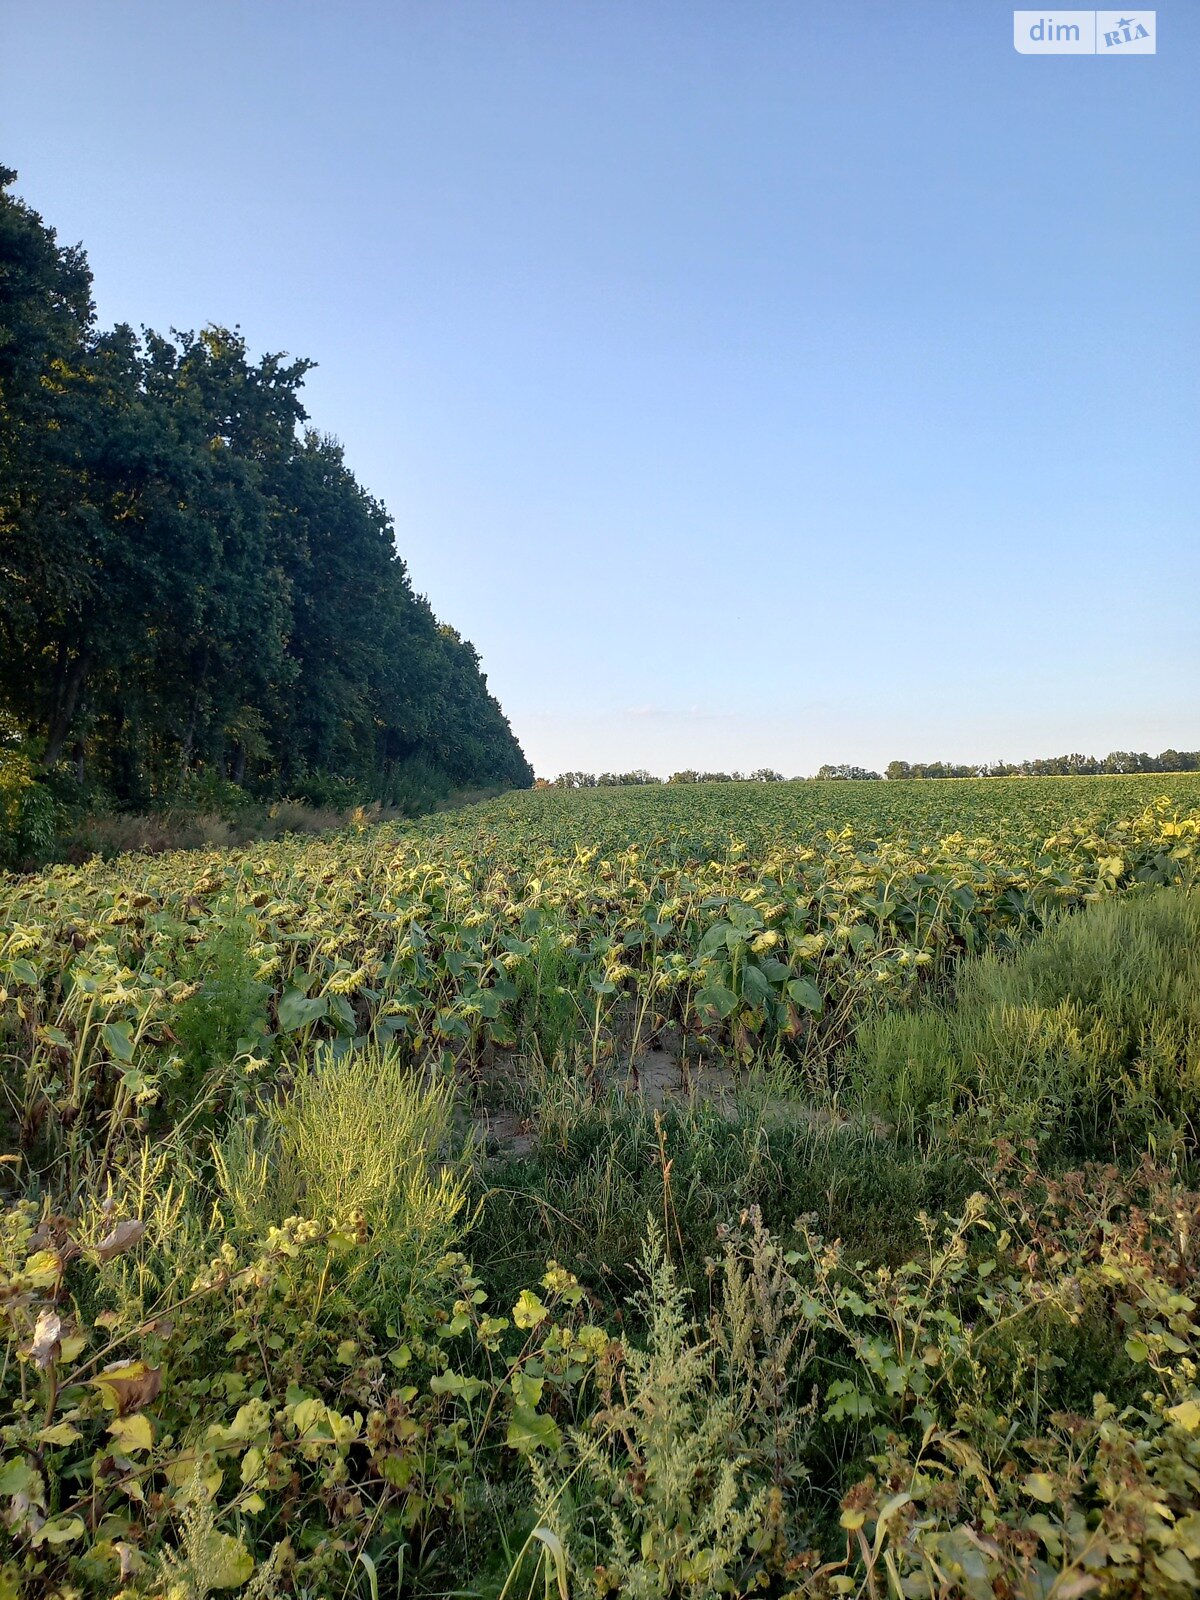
x,y
755,383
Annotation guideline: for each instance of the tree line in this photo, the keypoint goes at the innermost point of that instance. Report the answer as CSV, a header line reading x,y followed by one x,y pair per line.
x,y
1118,761
191,578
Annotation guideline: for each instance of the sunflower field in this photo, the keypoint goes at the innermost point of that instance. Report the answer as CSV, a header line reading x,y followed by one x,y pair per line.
x,y
279,1121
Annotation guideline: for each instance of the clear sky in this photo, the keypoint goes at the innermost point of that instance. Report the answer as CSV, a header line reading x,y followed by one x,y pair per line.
x,y
755,382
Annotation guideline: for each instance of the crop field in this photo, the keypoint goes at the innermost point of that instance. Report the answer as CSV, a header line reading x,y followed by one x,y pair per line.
x,y
713,1189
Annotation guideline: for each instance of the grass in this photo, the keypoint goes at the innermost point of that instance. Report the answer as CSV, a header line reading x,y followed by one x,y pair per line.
x,y
597,1172
1086,1040
357,1136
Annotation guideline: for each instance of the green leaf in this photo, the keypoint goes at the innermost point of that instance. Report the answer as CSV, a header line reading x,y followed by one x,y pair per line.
x,y
59,1530
715,937
455,1383
716,997
755,987
342,1013
531,1430
297,1011
806,994
118,1036
16,1476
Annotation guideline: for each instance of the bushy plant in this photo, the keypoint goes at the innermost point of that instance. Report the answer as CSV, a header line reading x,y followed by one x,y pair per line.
x,y
675,1486
30,817
224,1014
940,1452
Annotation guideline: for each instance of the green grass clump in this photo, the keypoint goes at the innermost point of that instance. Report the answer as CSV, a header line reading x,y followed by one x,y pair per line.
x,y
359,1136
1087,1040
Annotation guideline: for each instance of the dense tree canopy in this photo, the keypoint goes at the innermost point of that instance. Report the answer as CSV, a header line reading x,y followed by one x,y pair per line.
x,y
190,580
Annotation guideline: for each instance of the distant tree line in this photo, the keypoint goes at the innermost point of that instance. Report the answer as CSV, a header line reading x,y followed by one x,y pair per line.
x,y
610,780
846,773
191,580
1055,766
1117,761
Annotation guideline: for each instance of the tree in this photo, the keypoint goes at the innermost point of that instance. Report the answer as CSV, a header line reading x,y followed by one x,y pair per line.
x,y
846,773
188,582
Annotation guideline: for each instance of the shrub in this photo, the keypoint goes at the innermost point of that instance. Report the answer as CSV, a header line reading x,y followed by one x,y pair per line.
x,y
675,1485
30,817
849,1429
226,1011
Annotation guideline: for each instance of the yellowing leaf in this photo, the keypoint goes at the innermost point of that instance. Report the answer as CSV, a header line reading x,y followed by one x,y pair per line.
x,y
59,1530
529,1310
59,1433
224,1560
128,1385
1186,1414
309,1414
132,1433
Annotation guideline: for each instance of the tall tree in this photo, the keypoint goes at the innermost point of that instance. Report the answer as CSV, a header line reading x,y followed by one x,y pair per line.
x,y
190,583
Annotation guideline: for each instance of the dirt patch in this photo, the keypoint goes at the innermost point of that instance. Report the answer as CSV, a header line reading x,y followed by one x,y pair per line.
x,y
504,1132
661,1079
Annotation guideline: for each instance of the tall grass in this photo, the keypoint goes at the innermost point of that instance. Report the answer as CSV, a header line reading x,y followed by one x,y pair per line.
x,y
582,1195
359,1136
1088,1040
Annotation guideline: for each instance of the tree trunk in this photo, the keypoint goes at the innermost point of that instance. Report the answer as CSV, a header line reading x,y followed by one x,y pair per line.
x,y
64,711
189,740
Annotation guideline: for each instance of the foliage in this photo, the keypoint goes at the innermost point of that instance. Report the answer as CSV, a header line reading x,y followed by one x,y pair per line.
x,y
174,1423
245,1348
846,773
357,1134
193,586
1117,761
675,1485
596,1169
954,1379
1087,1040
772,941
30,817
